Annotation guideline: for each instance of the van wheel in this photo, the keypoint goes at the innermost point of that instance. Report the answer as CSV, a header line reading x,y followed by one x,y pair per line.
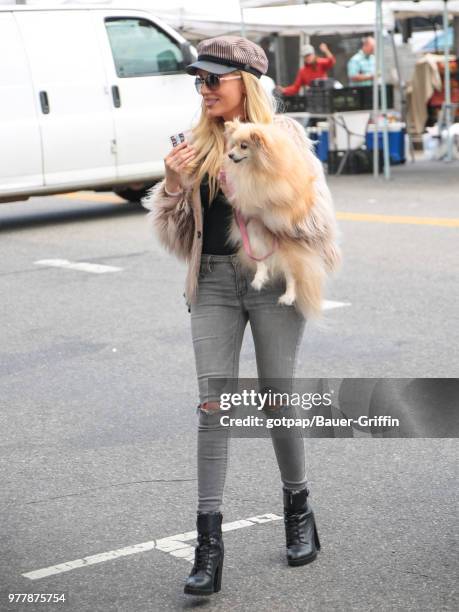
x,y
132,195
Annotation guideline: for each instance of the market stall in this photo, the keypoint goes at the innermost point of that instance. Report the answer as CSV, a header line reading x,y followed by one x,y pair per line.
x,y
385,11
405,9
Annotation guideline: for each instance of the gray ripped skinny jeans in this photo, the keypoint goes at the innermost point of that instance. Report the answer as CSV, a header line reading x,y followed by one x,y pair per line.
x,y
225,302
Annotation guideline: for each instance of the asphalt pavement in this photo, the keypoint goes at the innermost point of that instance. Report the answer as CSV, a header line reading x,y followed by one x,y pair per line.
x,y
98,394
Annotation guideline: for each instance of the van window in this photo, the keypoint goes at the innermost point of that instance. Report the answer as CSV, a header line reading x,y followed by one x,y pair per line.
x,y
140,49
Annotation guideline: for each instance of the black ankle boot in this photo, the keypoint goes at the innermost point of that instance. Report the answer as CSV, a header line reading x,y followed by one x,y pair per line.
x,y
300,528
206,575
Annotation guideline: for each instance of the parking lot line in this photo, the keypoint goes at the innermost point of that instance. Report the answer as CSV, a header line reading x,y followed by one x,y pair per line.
x,y
175,545
330,304
78,265
89,196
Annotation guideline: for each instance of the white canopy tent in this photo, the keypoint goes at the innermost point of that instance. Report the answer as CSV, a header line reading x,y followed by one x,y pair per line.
x,y
201,18
404,9
323,18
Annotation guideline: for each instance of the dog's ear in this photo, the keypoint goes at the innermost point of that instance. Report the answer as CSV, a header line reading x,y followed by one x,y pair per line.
x,y
231,126
259,139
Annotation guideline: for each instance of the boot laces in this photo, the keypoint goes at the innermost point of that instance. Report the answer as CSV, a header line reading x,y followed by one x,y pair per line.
x,y
202,551
294,528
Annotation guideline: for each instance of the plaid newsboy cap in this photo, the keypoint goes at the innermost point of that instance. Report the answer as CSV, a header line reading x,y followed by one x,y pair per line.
x,y
224,54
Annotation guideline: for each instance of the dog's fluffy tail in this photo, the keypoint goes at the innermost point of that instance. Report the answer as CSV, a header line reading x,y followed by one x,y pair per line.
x,y
310,275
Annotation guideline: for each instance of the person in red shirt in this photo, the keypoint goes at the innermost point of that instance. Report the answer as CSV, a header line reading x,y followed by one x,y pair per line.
x,y
314,68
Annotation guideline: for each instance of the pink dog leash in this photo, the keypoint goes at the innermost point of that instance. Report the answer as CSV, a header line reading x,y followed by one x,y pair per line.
x,y
242,222
245,238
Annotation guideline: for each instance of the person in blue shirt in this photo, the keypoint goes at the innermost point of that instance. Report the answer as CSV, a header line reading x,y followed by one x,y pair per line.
x,y
361,66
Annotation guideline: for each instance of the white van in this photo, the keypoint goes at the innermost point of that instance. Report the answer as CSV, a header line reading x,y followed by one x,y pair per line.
x,y
88,99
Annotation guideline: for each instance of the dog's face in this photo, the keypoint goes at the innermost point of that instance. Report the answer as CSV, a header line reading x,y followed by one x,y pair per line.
x,y
247,144
267,170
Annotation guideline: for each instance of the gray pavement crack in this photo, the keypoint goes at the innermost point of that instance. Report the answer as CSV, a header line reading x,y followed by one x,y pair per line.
x,y
418,574
116,256
116,484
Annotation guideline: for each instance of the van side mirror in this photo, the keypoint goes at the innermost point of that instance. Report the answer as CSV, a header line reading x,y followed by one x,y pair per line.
x,y
188,52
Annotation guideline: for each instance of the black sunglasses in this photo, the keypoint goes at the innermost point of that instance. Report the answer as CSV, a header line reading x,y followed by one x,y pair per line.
x,y
212,81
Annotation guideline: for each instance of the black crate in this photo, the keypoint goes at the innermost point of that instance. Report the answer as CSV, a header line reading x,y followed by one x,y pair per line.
x,y
334,100
358,98
293,104
318,100
367,97
346,99
359,161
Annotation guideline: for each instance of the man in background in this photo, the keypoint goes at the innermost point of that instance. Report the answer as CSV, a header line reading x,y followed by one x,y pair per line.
x,y
313,68
361,66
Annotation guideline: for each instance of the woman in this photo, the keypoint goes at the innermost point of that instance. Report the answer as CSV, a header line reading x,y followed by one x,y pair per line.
x,y
191,215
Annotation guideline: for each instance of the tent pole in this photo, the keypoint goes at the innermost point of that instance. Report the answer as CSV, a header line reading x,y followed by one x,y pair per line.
x,y
277,56
401,82
376,102
241,10
447,80
383,92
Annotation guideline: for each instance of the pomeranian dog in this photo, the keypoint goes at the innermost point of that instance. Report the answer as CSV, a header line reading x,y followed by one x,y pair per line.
x,y
283,222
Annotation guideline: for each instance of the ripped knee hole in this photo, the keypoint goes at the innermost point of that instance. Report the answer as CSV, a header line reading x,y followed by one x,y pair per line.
x,y
209,407
212,407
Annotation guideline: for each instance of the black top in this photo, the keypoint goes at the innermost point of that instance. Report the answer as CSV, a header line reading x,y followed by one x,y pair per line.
x,y
216,221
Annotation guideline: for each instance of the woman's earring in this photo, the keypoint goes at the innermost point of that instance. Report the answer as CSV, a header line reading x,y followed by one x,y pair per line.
x,y
245,108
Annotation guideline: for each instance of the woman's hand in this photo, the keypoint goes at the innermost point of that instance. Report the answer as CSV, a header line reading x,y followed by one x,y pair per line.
x,y
225,185
175,163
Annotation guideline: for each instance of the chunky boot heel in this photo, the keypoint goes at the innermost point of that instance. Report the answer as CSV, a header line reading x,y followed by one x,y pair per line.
x,y
302,538
316,537
218,577
206,576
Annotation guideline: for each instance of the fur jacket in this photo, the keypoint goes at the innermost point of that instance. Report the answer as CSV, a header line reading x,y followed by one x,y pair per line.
x,y
177,221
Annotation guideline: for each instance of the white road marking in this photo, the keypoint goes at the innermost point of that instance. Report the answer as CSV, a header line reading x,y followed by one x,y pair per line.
x,y
174,545
330,304
78,265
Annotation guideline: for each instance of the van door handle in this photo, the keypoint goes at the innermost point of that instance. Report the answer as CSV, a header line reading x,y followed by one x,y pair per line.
x,y
116,96
44,102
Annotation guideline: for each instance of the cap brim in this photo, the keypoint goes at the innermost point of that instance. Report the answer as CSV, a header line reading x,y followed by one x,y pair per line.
x,y
208,67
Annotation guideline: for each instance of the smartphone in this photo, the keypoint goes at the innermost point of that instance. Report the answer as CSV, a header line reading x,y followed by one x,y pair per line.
x,y
177,139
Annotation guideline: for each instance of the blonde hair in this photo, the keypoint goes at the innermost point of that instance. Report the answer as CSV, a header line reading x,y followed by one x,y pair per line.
x,y
208,133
